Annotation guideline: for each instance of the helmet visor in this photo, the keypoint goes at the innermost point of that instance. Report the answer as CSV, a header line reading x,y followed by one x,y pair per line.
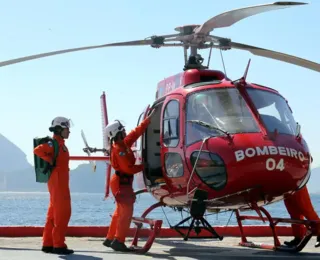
x,y
67,124
122,125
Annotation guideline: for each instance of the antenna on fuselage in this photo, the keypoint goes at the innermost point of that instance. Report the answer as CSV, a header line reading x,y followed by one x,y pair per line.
x,y
242,80
246,71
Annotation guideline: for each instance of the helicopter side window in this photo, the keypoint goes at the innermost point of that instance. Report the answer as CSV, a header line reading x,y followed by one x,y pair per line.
x,y
274,110
170,131
210,168
173,165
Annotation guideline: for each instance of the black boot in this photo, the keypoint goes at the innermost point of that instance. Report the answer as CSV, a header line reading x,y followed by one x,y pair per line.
x,y
62,251
107,243
47,249
318,242
118,246
293,242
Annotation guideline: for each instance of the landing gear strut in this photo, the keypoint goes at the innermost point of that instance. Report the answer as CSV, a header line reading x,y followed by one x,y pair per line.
x,y
197,210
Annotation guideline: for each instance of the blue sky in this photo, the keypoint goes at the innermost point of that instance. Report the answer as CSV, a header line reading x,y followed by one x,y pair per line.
x,y
34,92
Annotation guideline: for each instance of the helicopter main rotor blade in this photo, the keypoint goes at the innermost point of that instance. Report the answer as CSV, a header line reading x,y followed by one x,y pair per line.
x,y
229,18
42,55
277,56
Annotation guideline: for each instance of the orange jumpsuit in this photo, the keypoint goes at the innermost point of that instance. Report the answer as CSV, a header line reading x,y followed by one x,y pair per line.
x,y
299,206
123,161
59,211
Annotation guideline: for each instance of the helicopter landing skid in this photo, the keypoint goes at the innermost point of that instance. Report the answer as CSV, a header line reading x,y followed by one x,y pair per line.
x,y
155,226
310,226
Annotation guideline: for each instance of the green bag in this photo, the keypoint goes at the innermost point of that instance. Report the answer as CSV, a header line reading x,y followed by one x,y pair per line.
x,y
42,168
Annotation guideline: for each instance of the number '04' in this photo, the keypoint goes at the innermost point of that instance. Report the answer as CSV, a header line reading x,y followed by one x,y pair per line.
x,y
272,164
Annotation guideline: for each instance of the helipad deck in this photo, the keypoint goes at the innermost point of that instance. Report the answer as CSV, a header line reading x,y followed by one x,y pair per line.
x,y
87,248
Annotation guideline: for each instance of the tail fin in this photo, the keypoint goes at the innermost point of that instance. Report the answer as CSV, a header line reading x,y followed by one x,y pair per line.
x,y
106,144
104,118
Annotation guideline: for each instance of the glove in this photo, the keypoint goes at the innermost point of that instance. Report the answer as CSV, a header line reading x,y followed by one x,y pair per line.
x,y
152,112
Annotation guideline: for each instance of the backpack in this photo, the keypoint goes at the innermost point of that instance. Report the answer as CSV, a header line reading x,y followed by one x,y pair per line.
x,y
42,168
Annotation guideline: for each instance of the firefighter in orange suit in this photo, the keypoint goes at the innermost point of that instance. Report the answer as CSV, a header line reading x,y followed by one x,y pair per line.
x,y
59,211
299,206
122,160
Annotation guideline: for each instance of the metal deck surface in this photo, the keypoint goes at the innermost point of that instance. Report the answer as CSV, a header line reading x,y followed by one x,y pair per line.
x,y
92,249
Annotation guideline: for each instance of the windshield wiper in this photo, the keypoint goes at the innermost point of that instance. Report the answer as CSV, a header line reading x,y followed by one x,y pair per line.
x,y
209,126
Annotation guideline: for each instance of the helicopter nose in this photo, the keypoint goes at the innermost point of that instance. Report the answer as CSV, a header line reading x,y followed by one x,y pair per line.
x,y
274,168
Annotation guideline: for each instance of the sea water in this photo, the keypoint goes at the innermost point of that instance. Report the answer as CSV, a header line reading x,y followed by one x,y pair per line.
x,y
88,209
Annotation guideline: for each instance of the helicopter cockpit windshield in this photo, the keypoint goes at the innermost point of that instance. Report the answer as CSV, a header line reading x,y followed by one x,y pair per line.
x,y
224,109
274,111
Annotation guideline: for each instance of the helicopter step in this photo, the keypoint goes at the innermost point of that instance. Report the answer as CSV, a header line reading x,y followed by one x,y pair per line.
x,y
197,210
155,228
310,231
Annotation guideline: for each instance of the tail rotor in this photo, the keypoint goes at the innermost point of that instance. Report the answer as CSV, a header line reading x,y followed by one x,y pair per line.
x,y
88,150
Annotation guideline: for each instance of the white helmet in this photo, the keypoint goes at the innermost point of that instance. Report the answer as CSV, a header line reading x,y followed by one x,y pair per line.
x,y
62,122
113,128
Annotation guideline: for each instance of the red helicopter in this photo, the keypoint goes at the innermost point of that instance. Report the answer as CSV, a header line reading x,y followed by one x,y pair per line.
x,y
215,143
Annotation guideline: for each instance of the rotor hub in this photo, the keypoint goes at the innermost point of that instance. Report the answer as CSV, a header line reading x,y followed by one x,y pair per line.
x,y
186,29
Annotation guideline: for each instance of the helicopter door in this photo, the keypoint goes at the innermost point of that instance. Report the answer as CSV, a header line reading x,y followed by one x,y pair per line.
x,y
139,145
172,134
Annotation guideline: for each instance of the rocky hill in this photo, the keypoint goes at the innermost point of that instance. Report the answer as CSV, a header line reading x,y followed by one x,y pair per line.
x,y
16,174
11,157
